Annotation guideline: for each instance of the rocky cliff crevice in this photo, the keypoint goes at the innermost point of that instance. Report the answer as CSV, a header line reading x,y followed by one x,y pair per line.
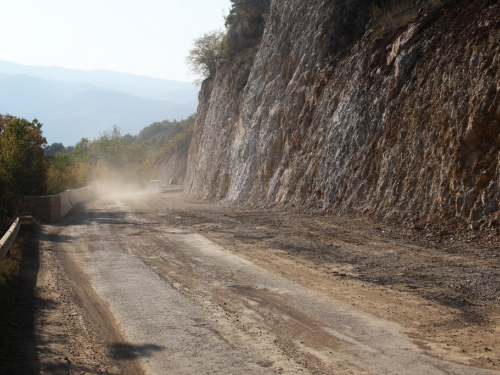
x,y
403,126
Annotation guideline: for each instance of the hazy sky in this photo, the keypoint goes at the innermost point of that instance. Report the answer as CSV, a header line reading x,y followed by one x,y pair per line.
x,y
145,37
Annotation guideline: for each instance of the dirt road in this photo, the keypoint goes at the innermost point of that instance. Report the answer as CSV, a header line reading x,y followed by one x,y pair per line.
x,y
151,284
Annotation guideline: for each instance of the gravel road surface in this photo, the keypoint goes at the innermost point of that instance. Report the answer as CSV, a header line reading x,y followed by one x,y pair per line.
x,y
139,286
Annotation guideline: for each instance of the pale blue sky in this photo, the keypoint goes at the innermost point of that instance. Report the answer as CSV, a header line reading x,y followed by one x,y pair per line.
x,y
145,37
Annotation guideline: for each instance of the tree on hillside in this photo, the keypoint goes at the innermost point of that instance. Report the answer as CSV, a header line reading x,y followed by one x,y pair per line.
x,y
54,148
206,51
23,165
82,149
172,142
150,131
160,133
129,138
66,172
111,158
244,28
116,160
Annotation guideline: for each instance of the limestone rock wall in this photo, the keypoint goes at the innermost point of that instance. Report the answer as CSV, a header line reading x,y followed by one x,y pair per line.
x,y
402,126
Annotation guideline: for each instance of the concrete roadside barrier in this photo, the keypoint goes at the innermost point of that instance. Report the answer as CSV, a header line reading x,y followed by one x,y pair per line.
x,y
66,205
46,208
52,208
77,196
96,191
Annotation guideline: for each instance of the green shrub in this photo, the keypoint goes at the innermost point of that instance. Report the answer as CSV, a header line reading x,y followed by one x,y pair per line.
x,y
207,49
244,28
23,165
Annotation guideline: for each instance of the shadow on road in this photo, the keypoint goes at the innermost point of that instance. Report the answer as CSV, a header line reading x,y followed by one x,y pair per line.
x,y
81,216
124,351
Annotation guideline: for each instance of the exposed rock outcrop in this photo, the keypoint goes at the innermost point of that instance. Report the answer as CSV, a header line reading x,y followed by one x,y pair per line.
x,y
173,166
402,126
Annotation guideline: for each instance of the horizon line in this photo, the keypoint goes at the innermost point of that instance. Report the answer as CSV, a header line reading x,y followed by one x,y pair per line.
x,y
94,70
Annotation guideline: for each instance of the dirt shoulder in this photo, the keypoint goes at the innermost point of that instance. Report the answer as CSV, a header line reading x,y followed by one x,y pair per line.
x,y
444,291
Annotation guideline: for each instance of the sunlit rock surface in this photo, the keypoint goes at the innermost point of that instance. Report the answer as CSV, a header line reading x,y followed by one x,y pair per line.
x,y
401,126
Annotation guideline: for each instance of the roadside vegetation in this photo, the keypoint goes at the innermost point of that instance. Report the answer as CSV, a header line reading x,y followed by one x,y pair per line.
x,y
28,166
109,158
23,166
116,159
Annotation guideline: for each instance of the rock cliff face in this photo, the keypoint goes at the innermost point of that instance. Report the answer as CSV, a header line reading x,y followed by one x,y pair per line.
x,y
173,166
405,125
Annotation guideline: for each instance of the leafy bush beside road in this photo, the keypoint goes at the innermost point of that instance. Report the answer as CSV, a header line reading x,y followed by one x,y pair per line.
x,y
23,165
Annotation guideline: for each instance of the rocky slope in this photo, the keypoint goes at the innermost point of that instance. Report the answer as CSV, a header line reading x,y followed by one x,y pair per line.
x,y
173,166
403,125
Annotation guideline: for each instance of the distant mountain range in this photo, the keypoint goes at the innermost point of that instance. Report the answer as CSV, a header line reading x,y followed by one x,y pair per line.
x,y
73,104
